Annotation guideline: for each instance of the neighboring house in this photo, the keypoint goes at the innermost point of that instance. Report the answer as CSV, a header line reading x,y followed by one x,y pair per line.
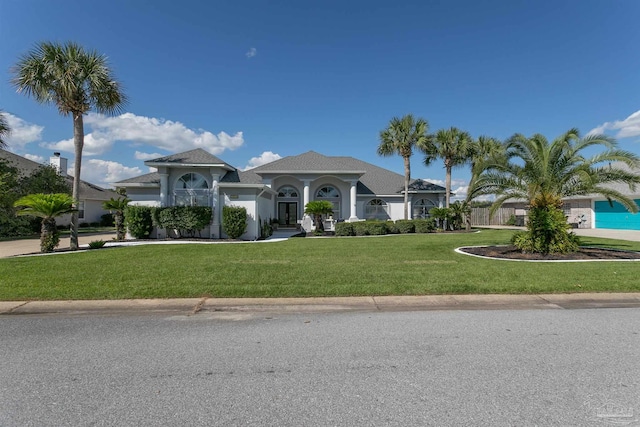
x,y
91,196
358,190
594,211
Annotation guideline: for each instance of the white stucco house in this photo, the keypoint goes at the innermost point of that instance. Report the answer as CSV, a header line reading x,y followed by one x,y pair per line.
x,y
91,196
358,190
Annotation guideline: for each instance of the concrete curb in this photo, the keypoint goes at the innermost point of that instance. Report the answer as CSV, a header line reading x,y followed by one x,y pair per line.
x,y
193,306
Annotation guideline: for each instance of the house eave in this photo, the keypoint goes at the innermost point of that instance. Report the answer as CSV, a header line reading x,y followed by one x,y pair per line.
x,y
135,184
311,172
256,186
189,165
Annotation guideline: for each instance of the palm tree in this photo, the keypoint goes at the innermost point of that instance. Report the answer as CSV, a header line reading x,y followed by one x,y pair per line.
x,y
317,208
47,207
4,130
544,173
401,137
76,81
453,146
460,213
117,207
482,149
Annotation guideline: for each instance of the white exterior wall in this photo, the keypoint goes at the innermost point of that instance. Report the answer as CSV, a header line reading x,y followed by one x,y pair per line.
x,y
580,207
144,196
247,201
287,180
396,208
343,188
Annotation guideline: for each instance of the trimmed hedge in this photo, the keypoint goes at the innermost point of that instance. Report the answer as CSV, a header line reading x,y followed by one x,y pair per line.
x,y
184,219
345,229
425,225
406,225
377,228
138,220
234,221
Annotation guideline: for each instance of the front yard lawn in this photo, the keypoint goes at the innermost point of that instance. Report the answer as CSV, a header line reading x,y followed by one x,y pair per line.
x,y
389,265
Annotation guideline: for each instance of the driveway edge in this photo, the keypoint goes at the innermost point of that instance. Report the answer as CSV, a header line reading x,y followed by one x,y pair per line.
x,y
196,306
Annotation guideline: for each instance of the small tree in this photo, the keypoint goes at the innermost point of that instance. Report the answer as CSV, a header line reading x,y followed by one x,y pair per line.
x,y
47,207
441,215
460,213
234,221
317,208
117,207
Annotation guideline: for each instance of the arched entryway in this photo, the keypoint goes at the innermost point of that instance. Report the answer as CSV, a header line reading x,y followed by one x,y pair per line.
x,y
288,199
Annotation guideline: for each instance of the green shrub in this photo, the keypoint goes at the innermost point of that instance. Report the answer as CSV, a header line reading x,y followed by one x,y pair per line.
x,y
406,226
369,228
392,227
427,225
547,233
512,220
184,219
345,229
234,221
84,225
138,220
96,244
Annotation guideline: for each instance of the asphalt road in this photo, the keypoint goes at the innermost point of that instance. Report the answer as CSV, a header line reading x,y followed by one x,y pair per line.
x,y
494,368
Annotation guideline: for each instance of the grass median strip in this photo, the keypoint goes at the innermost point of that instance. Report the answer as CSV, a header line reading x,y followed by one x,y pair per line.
x,y
391,265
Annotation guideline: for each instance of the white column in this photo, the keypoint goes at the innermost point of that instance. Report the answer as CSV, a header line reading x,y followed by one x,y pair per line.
x,y
440,200
352,202
164,189
217,207
305,198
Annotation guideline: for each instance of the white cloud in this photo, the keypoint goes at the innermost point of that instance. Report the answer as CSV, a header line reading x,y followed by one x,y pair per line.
x,y
626,128
33,157
251,52
22,132
265,157
164,134
440,182
105,172
147,156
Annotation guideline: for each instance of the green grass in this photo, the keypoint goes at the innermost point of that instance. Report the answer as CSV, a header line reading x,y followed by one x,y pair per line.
x,y
389,265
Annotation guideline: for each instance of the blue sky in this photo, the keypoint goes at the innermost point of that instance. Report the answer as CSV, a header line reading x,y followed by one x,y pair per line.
x,y
254,80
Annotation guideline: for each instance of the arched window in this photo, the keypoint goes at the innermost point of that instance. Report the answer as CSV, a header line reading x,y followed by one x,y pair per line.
x,y
421,208
327,192
288,191
376,209
191,189
332,195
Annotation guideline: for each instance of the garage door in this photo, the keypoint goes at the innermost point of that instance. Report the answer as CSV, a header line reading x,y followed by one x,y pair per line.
x,y
616,216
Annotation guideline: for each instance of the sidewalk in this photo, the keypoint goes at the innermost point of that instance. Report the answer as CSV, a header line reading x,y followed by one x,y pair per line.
x,y
261,306
30,246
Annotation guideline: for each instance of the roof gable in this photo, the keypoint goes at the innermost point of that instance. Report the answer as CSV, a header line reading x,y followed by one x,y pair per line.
x,y
191,158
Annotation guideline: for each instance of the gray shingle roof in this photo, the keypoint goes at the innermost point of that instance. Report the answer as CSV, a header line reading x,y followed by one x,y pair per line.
x,y
148,178
88,191
373,179
191,157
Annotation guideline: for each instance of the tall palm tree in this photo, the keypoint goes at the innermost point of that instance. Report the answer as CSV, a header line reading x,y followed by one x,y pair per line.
x,y
76,81
482,150
401,137
47,207
453,146
4,130
117,207
544,173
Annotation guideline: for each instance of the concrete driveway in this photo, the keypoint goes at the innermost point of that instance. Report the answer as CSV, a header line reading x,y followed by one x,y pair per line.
x,y
631,235
30,246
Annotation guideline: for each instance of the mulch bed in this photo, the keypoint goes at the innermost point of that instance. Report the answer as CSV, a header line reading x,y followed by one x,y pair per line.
x,y
591,254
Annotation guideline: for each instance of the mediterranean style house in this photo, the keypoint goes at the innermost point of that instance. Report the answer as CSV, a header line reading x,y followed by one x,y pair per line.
x,y
91,196
280,190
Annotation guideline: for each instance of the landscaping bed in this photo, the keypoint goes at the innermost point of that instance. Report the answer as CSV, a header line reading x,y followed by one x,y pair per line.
x,y
584,254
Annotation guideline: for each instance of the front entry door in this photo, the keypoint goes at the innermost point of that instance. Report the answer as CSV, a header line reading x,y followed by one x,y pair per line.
x,y
288,213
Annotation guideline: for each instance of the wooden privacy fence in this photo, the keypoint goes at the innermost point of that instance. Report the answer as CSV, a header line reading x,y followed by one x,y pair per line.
x,y
480,216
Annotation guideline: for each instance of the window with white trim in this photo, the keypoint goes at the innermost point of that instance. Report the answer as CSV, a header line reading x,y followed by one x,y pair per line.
x,y
422,207
332,195
376,209
191,189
